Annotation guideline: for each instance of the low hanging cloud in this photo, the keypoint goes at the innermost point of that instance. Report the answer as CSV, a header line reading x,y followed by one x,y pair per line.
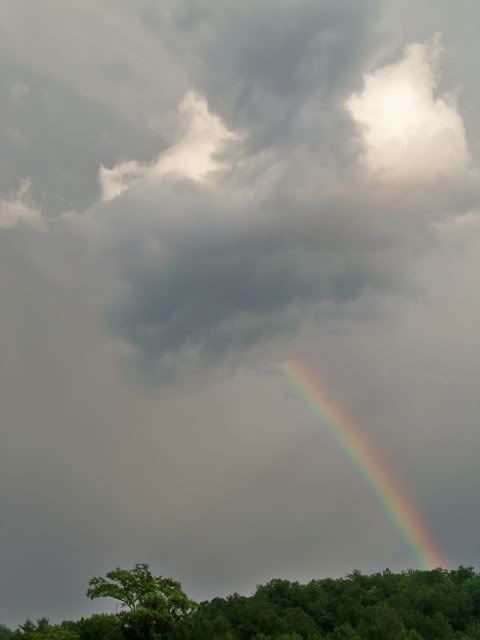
x,y
410,131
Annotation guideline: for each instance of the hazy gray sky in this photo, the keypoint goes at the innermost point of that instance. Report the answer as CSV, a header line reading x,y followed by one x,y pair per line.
x,y
192,192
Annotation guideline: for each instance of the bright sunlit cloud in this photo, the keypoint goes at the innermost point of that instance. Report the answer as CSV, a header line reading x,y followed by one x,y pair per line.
x,y
18,209
409,130
193,156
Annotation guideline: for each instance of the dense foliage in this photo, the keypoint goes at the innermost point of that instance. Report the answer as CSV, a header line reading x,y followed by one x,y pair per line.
x,y
413,605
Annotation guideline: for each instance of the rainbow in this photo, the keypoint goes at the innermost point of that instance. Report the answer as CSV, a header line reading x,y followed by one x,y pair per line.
x,y
398,507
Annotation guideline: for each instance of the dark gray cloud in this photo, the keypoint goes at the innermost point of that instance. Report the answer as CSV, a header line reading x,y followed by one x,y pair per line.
x,y
56,137
206,275
223,277
291,249
273,58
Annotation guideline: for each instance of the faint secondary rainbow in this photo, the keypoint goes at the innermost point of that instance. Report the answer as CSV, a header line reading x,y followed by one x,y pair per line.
x,y
399,509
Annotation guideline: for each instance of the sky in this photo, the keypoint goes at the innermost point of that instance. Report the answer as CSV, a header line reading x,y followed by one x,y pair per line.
x,y
193,192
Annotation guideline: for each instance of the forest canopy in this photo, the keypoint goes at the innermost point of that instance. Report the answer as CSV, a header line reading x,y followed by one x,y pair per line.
x,y
412,605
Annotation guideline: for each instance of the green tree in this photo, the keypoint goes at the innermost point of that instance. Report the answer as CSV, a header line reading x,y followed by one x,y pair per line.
x,y
344,632
411,635
381,622
104,626
473,631
5,632
43,630
151,606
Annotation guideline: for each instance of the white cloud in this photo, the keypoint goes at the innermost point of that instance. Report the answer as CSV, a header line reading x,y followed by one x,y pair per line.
x,y
115,181
410,132
193,156
18,209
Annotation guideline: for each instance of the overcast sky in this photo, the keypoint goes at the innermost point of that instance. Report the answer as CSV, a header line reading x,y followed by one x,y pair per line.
x,y
192,192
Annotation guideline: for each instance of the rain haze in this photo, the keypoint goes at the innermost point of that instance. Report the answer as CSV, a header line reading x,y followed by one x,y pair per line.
x,y
193,192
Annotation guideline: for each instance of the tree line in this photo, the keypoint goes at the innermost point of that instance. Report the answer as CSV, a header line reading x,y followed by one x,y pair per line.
x,y
412,605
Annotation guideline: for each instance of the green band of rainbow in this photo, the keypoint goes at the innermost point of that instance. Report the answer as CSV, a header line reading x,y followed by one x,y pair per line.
x,y
399,509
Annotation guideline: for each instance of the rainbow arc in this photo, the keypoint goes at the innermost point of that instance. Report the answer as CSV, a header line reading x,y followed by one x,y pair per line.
x,y
398,507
